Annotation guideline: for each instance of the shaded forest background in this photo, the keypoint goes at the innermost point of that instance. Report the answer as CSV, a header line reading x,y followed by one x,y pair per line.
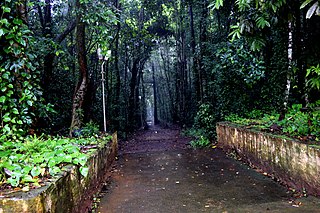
x,y
186,62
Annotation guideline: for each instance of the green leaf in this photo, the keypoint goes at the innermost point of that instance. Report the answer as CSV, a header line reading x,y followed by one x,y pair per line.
x,y
28,179
5,75
68,159
29,103
52,163
35,171
54,170
4,154
26,169
4,21
304,4
22,42
2,99
15,111
6,9
16,50
13,181
38,159
262,23
1,32
17,21
218,4
6,119
84,171
7,128
312,9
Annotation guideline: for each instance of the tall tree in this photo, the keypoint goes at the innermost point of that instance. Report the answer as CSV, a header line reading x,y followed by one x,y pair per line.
x,y
195,61
81,89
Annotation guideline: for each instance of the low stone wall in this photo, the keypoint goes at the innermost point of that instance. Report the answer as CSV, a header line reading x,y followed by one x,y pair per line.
x,y
69,193
293,163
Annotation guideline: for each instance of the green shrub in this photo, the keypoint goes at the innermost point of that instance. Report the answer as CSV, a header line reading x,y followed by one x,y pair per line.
x,y
302,123
313,76
200,142
315,125
21,96
297,122
89,129
205,121
255,114
23,164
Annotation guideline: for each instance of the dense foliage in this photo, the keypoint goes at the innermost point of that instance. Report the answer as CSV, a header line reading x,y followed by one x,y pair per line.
x,y
29,163
163,57
21,96
187,62
301,123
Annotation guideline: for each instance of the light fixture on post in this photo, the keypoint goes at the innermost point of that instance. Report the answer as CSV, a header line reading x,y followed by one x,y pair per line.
x,y
103,59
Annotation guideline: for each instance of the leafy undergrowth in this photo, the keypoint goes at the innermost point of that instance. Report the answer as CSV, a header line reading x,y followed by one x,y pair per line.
x,y
203,130
299,123
30,163
200,138
200,142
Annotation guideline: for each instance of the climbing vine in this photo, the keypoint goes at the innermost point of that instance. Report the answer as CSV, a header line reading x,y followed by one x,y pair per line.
x,y
20,97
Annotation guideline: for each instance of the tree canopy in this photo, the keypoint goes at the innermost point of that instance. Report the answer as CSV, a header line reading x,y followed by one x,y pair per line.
x,y
185,62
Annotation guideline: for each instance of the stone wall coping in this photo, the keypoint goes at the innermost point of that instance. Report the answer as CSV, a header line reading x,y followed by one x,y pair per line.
x,y
293,163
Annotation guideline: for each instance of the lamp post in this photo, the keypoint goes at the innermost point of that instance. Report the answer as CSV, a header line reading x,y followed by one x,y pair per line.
x,y
103,59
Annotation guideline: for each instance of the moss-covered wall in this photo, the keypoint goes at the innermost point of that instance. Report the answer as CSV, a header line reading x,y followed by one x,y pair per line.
x,y
294,163
70,192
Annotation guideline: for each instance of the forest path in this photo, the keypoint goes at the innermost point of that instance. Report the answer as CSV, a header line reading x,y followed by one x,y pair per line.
x,y
157,172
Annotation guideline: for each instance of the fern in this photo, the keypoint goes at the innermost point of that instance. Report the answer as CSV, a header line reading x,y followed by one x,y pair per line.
x,y
262,22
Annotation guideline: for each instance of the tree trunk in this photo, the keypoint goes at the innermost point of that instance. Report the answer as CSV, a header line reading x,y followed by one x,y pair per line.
x,y
196,74
290,66
81,89
23,11
116,69
203,40
142,104
132,95
49,58
46,23
299,53
155,96
170,90
125,91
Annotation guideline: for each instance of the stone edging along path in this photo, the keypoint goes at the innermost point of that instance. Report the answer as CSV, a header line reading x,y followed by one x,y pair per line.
x,y
70,192
293,163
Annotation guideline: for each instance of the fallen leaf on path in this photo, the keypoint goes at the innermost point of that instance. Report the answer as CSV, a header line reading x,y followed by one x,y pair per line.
x,y
26,189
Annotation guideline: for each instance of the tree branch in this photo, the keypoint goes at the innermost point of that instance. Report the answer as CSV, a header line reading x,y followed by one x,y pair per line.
x,y
59,38
40,16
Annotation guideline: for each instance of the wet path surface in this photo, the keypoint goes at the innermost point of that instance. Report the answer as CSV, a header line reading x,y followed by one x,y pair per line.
x,y
156,172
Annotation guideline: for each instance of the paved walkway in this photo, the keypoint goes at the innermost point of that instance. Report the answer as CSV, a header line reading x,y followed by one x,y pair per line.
x,y
156,172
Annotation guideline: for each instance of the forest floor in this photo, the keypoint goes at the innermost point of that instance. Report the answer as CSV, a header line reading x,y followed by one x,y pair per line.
x,y
158,172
